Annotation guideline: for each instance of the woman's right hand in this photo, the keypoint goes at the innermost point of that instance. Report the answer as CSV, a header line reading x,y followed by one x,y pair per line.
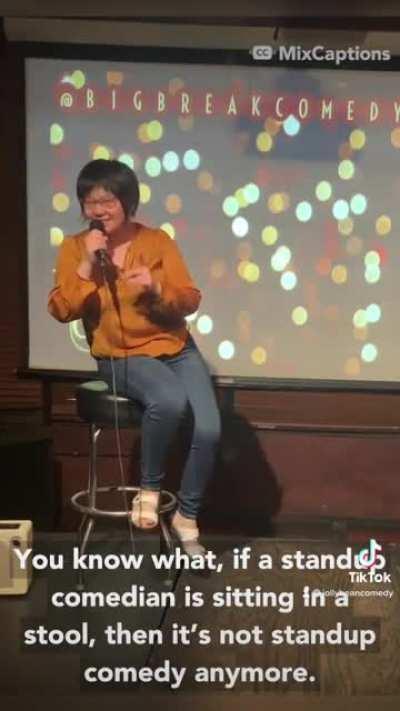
x,y
94,240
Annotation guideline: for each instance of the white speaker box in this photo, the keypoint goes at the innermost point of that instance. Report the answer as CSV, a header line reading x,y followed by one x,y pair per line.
x,y
13,579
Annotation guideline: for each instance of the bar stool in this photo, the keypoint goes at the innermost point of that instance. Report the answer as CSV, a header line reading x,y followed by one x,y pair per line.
x,y
96,405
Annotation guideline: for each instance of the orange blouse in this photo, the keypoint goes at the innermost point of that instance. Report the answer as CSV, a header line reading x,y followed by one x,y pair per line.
x,y
126,319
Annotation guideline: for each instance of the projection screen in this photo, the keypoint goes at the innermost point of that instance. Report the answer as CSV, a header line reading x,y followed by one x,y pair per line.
x,y
279,185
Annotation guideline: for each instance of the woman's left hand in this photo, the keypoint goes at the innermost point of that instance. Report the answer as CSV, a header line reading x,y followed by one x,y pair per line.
x,y
138,276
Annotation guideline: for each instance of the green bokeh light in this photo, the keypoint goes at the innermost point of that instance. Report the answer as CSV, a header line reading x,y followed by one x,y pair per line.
x,y
153,166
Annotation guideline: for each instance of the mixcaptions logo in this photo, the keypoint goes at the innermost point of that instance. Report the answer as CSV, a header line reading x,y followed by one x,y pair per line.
x,y
319,53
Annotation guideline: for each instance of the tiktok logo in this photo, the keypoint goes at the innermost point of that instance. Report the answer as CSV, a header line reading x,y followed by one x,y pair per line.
x,y
370,557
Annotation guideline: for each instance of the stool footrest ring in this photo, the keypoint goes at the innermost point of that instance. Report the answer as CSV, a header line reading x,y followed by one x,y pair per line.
x,y
168,501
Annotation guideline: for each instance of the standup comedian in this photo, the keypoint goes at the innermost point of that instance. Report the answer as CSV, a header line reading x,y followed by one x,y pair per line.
x,y
138,321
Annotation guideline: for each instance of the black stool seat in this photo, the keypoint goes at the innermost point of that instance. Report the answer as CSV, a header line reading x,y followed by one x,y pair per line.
x,y
96,404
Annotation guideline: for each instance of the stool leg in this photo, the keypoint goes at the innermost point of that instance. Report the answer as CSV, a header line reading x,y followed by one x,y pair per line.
x,y
165,537
85,531
87,522
92,485
81,529
166,544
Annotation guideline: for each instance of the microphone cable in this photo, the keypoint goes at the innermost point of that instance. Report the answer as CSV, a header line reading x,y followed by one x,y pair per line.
x,y
104,262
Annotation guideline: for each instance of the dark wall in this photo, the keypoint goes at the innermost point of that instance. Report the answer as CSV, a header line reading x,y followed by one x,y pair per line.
x,y
14,392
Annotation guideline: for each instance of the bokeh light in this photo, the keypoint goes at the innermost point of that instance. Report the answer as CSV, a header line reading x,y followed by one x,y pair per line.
x,y
240,227
304,211
142,133
360,318
61,202
56,236
383,225
264,142
230,206
281,258
241,267
324,266
127,159
259,355
205,181
144,193
372,258
170,161
251,193
346,169
173,204
291,125
56,134
192,317
102,152
340,209
226,350
272,125
78,79
155,130
323,190
241,198
369,352
288,280
346,226
372,273
299,316
352,367
269,235
251,272
114,78
204,324
358,204
339,274
191,159
152,166
278,202
169,229
357,139
374,313
395,137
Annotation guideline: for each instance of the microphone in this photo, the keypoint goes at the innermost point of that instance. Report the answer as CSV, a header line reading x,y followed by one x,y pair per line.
x,y
101,254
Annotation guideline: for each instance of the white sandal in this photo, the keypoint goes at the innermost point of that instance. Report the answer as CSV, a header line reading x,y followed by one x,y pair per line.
x,y
188,538
145,505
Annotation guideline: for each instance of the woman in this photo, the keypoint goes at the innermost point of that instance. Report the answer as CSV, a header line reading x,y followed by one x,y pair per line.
x,y
138,320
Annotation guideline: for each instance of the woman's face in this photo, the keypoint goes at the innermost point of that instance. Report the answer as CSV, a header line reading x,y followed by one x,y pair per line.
x,y
100,204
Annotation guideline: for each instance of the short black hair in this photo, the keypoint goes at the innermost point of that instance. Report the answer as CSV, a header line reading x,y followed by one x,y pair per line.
x,y
114,176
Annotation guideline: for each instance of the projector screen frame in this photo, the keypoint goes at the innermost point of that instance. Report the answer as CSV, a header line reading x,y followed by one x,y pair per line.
x,y
165,55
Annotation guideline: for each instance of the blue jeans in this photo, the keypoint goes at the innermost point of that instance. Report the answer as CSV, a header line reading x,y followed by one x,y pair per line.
x,y
171,389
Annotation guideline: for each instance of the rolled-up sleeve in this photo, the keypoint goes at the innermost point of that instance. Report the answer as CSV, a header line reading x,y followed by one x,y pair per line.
x,y
68,297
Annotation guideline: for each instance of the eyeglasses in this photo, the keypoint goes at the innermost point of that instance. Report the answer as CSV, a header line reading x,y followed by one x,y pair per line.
x,y
102,202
